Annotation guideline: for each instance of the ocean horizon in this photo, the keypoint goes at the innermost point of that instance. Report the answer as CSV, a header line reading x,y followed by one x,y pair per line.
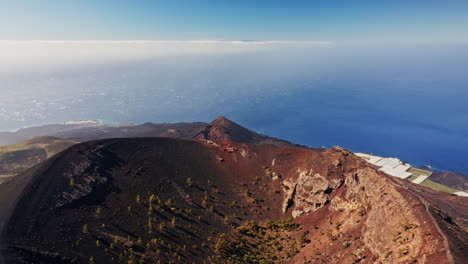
x,y
405,101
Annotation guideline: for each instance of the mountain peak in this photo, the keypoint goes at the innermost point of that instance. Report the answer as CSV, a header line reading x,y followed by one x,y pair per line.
x,y
223,129
221,120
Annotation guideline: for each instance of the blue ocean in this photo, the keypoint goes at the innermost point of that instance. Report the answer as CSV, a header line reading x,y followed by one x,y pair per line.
x,y
405,101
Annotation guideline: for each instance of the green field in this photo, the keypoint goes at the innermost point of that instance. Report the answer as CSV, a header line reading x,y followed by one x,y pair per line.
x,y
412,178
17,158
438,187
419,172
46,143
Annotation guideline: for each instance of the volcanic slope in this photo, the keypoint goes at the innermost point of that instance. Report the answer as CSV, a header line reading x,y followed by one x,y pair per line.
x,y
161,200
223,129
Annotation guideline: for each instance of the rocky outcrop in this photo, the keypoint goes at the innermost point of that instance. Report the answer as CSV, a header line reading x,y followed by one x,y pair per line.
x,y
309,192
87,175
395,226
395,230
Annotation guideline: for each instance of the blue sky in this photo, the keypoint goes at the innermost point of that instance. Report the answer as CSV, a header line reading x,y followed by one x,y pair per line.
x,y
336,21
413,96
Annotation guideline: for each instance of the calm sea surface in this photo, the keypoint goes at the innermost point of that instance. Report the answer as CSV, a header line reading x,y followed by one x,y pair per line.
x,y
409,102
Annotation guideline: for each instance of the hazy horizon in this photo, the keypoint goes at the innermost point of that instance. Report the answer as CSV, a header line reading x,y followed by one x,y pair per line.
x,y
405,100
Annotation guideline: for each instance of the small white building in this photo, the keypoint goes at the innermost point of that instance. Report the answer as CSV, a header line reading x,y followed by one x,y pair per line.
x,y
464,194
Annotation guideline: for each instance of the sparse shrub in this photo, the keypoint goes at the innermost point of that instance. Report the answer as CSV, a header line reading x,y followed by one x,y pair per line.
x,y
189,182
99,211
303,239
222,244
226,220
361,210
72,182
346,244
152,198
403,251
410,226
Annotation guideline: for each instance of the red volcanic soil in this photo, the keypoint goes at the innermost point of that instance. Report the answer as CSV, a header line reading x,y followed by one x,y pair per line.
x,y
223,129
161,200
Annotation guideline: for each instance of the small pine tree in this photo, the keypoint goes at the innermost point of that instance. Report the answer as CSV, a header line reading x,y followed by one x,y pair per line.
x,y
138,198
150,224
85,229
99,210
173,222
72,182
189,182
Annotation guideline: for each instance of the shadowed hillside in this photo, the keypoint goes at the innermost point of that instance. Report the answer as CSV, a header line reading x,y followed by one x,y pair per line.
x,y
17,158
451,179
